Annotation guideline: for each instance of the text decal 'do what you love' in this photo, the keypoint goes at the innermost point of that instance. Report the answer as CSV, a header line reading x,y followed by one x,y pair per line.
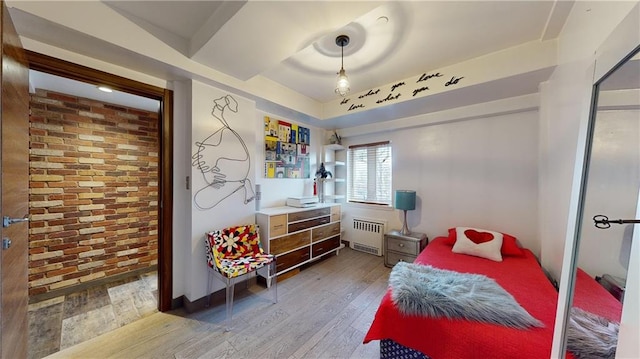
x,y
401,90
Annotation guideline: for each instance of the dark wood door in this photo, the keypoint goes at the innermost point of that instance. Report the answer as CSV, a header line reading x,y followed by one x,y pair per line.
x,y
14,166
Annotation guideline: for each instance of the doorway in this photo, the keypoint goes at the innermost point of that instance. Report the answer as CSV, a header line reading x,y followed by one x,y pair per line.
x,y
52,66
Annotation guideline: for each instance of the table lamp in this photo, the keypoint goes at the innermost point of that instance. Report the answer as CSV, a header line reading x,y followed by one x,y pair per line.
x,y
406,201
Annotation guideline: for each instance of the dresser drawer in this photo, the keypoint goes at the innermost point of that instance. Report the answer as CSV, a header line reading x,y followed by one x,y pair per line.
x,y
393,258
335,211
312,213
289,242
322,232
323,247
309,223
289,260
403,246
277,225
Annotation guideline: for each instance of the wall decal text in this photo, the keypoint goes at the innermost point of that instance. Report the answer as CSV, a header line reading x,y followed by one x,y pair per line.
x,y
425,76
389,98
454,81
418,90
354,106
397,85
370,93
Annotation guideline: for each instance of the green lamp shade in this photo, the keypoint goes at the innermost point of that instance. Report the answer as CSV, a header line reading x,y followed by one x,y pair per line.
x,y
405,199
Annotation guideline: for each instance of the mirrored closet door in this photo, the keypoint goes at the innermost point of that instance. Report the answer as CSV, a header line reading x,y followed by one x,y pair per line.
x,y
609,208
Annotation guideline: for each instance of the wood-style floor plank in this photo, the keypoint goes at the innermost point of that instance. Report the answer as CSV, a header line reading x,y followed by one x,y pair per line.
x,y
323,312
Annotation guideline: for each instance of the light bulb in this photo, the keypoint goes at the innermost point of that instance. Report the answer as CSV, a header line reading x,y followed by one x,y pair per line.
x,y
342,86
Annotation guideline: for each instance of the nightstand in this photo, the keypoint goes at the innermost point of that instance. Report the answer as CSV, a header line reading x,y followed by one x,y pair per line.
x,y
402,248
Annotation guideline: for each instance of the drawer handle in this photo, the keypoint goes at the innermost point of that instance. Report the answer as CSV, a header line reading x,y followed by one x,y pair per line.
x,y
400,244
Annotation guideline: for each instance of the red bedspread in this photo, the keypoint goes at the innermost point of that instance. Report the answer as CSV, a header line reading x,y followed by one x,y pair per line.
x,y
459,338
592,297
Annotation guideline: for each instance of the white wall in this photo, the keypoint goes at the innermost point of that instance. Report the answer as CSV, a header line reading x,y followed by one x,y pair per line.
x,y
213,207
565,101
476,172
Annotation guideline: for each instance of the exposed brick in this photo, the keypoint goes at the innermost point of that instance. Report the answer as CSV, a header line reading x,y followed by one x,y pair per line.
x,y
61,271
92,276
45,255
46,178
92,253
45,229
45,268
93,190
92,230
90,195
64,283
91,184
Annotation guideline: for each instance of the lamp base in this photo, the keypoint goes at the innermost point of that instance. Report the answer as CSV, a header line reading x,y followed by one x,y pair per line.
x,y
405,229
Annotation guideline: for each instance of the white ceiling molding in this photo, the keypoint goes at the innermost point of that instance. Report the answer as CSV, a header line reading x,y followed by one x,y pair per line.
x,y
506,106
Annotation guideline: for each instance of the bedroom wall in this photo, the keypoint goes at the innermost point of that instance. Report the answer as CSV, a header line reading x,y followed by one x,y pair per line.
x,y
479,172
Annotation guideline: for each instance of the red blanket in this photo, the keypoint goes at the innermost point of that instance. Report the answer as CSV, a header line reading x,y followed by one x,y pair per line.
x,y
460,338
592,297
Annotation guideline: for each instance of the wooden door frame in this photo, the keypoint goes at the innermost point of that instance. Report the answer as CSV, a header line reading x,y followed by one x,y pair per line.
x,y
54,66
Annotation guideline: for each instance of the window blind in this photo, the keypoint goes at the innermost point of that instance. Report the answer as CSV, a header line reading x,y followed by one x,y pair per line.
x,y
369,173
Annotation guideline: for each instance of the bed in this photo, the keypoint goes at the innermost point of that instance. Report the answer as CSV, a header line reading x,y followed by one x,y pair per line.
x,y
440,338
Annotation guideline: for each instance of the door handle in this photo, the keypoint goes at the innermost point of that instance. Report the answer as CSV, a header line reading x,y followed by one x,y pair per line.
x,y
7,221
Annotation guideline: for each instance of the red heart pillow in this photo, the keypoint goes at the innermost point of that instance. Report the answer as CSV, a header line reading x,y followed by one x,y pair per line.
x,y
509,245
478,237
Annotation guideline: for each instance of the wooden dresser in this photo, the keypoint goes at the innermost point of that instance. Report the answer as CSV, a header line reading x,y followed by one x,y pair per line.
x,y
299,235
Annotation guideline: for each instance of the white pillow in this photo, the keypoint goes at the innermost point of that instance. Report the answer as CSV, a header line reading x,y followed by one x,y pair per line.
x,y
485,244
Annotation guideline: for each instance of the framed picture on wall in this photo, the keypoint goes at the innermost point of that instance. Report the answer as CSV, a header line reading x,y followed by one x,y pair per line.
x,y
286,149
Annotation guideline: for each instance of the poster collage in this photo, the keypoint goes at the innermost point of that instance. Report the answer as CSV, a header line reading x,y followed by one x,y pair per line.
x,y
287,149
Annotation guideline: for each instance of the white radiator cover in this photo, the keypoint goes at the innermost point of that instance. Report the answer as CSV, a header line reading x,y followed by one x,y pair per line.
x,y
368,235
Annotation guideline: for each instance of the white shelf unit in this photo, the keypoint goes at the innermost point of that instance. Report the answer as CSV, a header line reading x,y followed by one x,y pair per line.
x,y
334,189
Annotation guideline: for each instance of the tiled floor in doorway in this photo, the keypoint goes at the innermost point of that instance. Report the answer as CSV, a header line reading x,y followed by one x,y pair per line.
x,y
64,321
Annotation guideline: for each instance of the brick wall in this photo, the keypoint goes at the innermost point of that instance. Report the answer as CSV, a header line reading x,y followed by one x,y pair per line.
x,y
93,190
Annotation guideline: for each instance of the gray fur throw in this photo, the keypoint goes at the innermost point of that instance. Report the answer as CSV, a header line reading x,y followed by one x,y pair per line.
x,y
422,290
590,336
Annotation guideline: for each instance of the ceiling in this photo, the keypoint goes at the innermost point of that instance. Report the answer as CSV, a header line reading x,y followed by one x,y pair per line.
x,y
293,42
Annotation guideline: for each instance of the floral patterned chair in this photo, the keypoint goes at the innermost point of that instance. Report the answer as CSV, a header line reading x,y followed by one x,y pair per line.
x,y
233,254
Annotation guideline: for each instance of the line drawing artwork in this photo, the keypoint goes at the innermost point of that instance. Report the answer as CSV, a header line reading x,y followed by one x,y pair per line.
x,y
223,159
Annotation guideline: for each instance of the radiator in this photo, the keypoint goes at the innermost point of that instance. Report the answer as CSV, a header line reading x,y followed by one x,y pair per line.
x,y
368,235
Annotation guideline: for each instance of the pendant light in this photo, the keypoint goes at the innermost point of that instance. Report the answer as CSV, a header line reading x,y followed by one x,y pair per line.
x,y
342,85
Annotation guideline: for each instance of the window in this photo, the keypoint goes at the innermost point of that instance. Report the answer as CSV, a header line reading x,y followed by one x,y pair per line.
x,y
369,173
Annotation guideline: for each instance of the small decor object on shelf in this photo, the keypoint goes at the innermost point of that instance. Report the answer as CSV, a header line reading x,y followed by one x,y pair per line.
x,y
335,139
406,201
322,172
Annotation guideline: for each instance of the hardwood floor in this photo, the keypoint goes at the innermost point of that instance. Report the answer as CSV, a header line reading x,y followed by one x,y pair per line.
x,y
323,312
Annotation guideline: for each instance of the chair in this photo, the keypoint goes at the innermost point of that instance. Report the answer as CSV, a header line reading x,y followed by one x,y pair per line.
x,y
233,254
